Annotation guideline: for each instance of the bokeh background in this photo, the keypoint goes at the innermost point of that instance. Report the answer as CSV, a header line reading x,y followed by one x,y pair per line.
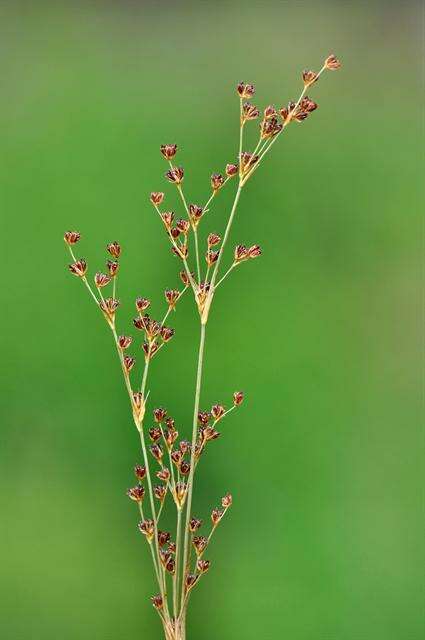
x,y
322,333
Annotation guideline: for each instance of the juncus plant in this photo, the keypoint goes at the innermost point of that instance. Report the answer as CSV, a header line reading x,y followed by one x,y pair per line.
x,y
167,470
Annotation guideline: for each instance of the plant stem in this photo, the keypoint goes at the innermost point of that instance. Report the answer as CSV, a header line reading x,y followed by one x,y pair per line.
x,y
176,573
226,236
192,456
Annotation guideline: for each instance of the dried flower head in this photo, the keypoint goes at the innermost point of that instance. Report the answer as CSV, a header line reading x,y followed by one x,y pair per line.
x,y
114,249
175,175
227,501
249,112
78,268
136,493
203,565
195,524
195,214
109,306
332,63
309,77
217,181
147,527
72,237
157,602
237,398
216,516
124,342
168,151
159,414
231,170
245,91
112,266
156,198
142,304
101,280
140,472
129,363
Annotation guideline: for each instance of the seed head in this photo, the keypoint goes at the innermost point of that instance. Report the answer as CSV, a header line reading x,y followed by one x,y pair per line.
x,y
159,414
185,468
137,493
308,105
200,543
309,77
124,342
156,198
249,112
227,501
171,296
78,268
157,602
129,363
203,565
211,257
138,406
139,472
238,398
147,527
164,538
184,278
168,151
171,436
195,213
155,434
172,547
217,181
109,306
142,304
332,63
167,333
213,239
183,226
245,90
185,446
270,112
168,218
181,490
241,253
270,128
101,280
177,457
248,160
114,249
194,524
231,170
160,491
216,516
72,237
156,451
175,175
217,411
254,251
204,417
164,474
112,266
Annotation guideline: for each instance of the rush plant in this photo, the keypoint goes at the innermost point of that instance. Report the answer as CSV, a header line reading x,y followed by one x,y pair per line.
x,y
167,471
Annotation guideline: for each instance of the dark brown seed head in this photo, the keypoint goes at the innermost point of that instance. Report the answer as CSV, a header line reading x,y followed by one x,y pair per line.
x,y
141,323
139,472
200,543
231,170
170,422
129,363
191,580
168,218
332,63
101,280
136,493
177,457
204,417
156,451
245,91
112,266
227,501
238,398
210,433
175,175
248,160
71,237
184,468
270,112
109,306
78,268
213,239
156,198
157,602
241,253
184,278
175,232
309,77
124,342
171,566
183,226
164,474
160,491
254,251
217,181
142,304
203,565
216,516
147,527
217,411
171,296
159,414
168,151
181,489
194,524
171,436
249,112
308,105
172,547
211,257
167,333
185,446
164,538
138,405
195,213
114,249
270,128
155,434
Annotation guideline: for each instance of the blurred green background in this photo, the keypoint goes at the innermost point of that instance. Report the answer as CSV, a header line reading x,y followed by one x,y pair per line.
x,y
322,333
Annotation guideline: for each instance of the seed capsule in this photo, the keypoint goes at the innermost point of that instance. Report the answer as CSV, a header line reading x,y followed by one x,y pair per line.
x,y
216,516
164,474
155,434
248,160
270,112
308,105
114,249
309,77
227,501
175,175
159,414
238,398
332,63
249,112
139,472
101,280
181,489
185,468
129,363
168,151
241,253
217,181
194,524
204,417
156,198
177,457
160,491
203,565
142,304
184,278
71,237
112,266
200,543
231,170
211,257
217,411
254,251
124,342
163,538
167,219
172,547
147,527
138,406
157,602
78,268
245,90
171,296
136,493
191,580
167,333
109,306
195,214
185,446
156,451
213,239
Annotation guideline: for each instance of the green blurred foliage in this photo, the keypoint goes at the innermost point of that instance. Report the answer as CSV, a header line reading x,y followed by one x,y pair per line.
x,y
322,332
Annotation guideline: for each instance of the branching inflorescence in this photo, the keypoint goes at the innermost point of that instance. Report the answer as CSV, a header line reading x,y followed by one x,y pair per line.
x,y
179,563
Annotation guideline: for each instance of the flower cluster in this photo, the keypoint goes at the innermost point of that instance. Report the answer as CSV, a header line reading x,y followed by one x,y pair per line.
x,y
171,456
